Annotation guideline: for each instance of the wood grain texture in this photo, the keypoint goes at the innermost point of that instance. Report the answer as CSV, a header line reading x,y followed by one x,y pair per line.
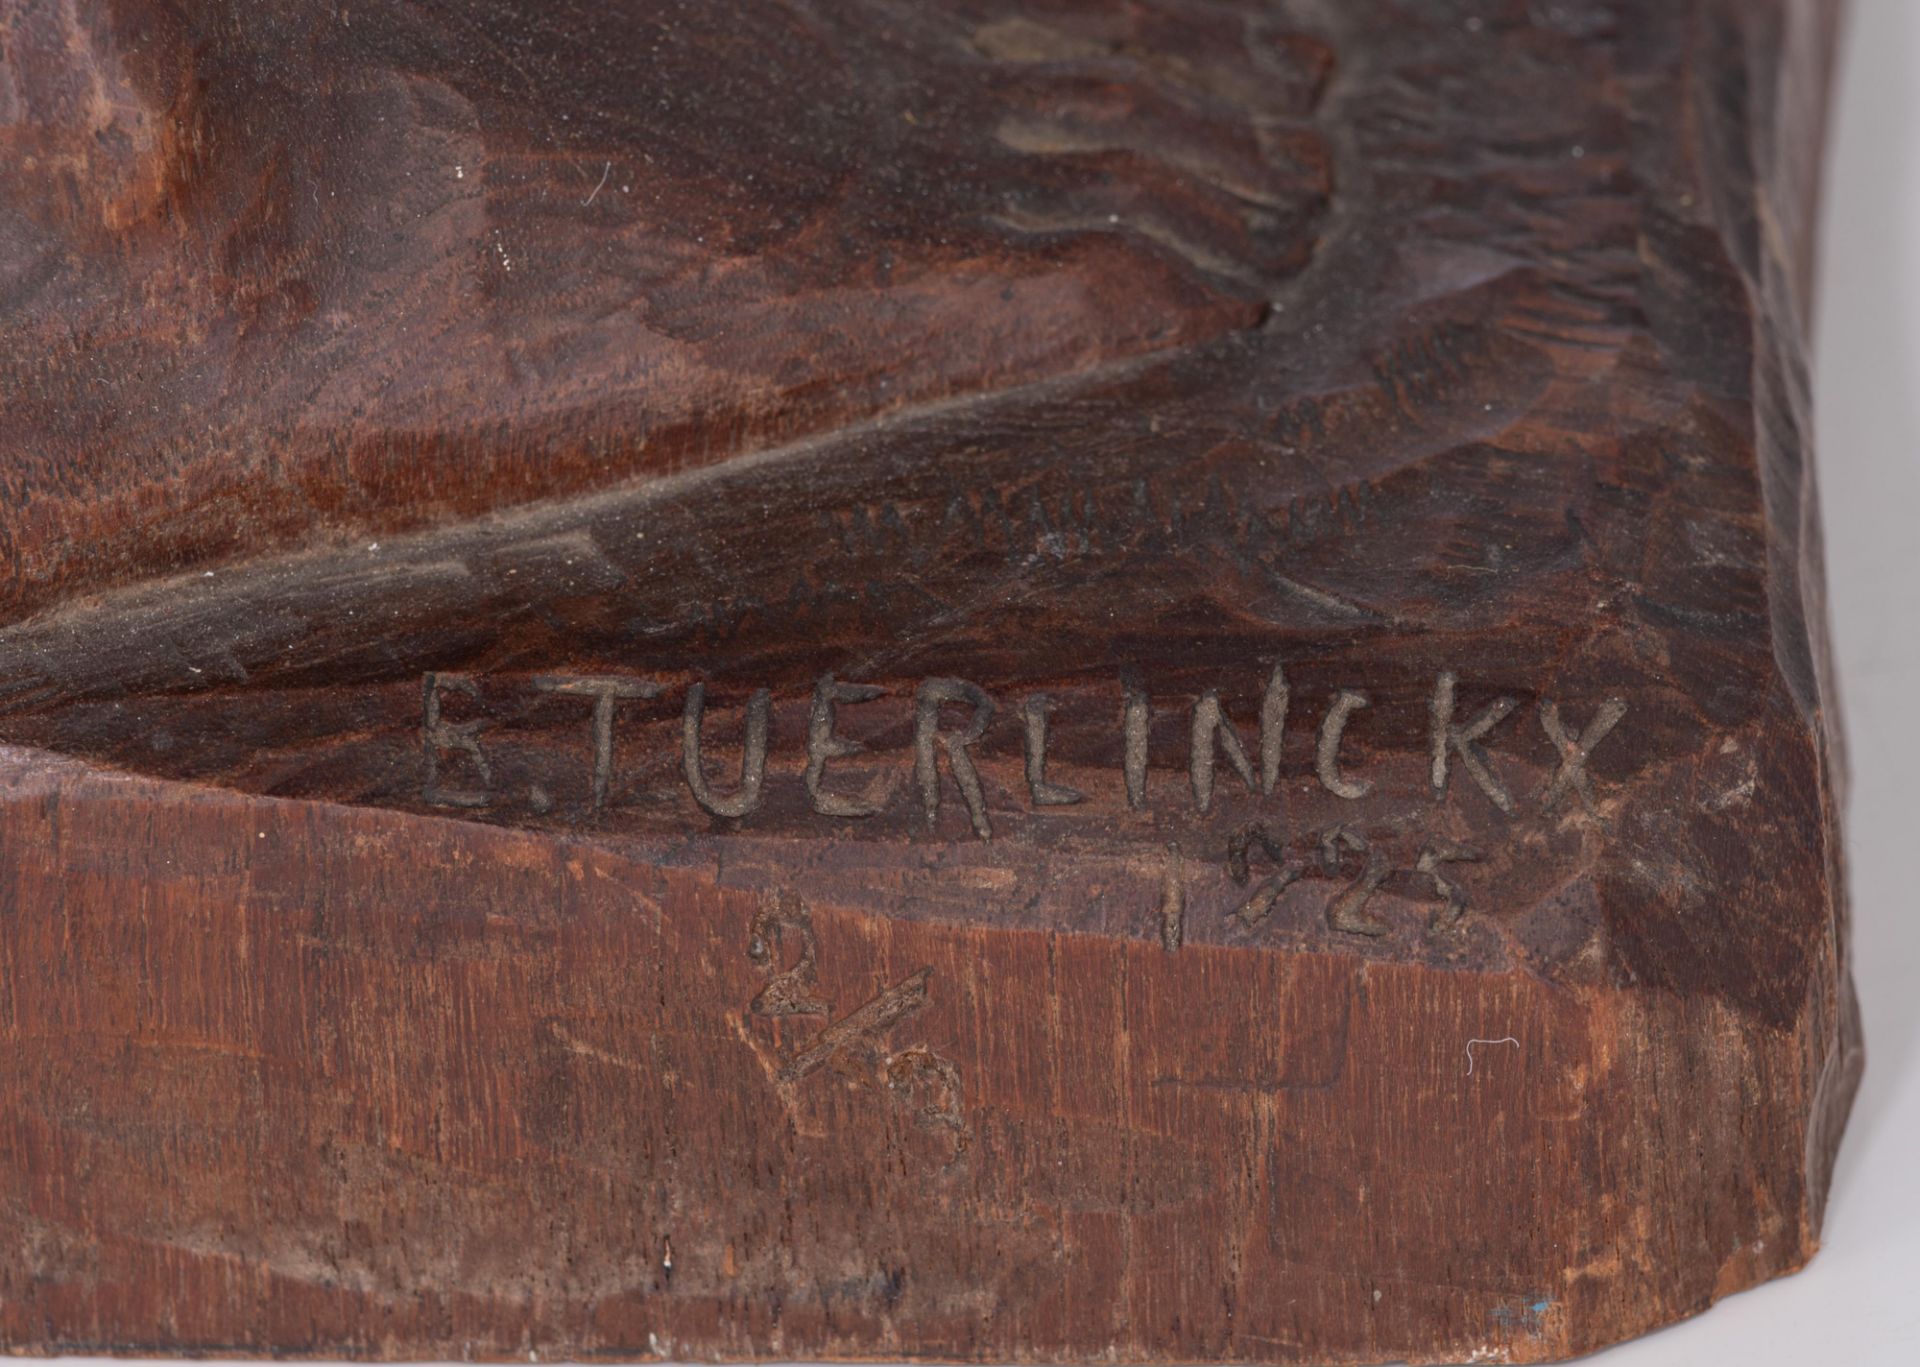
x,y
1001,681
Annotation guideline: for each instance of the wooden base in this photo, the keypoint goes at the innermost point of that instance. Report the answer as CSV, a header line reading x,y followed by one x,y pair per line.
x,y
1011,682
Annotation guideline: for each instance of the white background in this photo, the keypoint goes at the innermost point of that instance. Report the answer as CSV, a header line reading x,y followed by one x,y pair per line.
x,y
1859,1301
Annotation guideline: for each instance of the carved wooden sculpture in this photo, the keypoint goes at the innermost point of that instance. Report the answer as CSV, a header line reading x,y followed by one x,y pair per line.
x,y
1009,679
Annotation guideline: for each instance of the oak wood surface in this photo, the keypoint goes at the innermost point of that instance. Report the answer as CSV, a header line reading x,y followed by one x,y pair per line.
x,y
997,681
